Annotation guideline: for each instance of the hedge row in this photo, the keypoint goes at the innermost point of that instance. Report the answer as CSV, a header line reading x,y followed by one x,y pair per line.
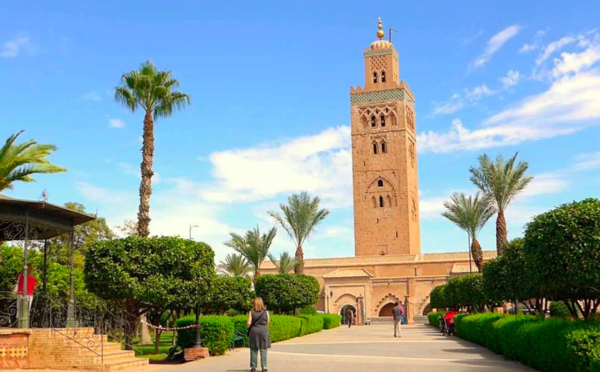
x,y
434,317
553,345
217,331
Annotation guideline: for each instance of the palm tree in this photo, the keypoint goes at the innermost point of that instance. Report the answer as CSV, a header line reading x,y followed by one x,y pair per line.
x,y
501,181
235,265
300,218
470,214
253,247
18,162
152,91
285,264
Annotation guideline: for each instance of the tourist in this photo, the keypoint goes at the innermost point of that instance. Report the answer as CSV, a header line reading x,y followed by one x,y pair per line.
x,y
349,316
31,285
398,311
258,333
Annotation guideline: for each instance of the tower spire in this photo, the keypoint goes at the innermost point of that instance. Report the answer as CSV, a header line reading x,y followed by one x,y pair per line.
x,y
380,33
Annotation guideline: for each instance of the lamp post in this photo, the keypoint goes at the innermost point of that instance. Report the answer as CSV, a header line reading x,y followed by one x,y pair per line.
x,y
191,227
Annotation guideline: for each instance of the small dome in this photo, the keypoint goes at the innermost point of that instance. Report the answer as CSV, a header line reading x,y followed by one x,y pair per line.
x,y
381,44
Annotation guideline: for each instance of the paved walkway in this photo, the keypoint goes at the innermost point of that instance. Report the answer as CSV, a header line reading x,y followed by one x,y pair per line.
x,y
368,348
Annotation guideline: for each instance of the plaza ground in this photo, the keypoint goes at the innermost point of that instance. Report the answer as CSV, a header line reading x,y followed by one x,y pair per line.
x,y
368,348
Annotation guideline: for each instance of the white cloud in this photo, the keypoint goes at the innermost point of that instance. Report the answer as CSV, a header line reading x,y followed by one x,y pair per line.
x,y
511,79
495,43
554,47
432,207
116,123
526,48
570,104
135,171
588,161
319,164
92,96
459,101
546,183
335,231
12,48
99,194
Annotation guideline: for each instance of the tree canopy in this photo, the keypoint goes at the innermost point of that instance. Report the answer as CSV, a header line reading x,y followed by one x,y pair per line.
x,y
285,293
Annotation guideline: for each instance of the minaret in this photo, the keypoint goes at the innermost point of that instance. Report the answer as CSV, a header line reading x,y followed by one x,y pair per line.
x,y
384,157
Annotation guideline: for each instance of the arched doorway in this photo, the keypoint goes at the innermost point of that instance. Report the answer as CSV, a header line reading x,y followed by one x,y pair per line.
x,y
427,309
343,313
387,310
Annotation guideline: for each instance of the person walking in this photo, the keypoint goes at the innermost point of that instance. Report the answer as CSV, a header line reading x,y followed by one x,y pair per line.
x,y
349,316
398,311
31,286
258,333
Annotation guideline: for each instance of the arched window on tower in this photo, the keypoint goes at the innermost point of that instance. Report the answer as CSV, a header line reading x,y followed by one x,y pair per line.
x,y
375,77
373,122
375,148
374,202
383,148
382,120
380,183
381,202
383,76
389,200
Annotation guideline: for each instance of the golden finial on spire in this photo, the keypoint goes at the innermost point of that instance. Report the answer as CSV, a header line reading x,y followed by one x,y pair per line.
x,y
380,33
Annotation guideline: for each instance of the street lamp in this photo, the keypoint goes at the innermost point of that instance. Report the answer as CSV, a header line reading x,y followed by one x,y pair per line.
x,y
191,227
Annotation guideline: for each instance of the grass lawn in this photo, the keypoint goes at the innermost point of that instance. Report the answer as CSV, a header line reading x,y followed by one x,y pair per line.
x,y
147,351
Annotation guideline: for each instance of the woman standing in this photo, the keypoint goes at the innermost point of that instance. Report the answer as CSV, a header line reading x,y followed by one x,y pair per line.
x,y
258,332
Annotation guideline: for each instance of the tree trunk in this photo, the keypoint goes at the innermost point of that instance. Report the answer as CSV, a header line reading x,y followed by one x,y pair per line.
x,y
501,233
145,338
256,275
147,173
477,254
299,264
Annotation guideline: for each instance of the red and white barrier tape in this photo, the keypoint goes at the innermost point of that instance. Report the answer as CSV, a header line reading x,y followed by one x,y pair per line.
x,y
161,328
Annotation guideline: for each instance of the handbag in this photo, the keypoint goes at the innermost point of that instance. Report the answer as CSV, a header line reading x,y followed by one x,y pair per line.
x,y
254,321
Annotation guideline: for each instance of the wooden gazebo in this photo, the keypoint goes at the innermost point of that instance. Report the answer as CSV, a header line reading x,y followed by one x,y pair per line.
x,y
26,220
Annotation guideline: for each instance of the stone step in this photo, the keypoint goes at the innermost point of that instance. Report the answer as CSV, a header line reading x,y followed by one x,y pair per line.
x,y
134,363
115,357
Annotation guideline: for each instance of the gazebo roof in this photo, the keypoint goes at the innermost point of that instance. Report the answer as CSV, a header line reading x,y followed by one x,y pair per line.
x,y
45,220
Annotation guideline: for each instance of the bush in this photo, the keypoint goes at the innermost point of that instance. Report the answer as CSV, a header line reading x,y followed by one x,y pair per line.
x,y
231,293
311,324
308,310
285,293
554,345
284,327
437,299
215,331
434,317
558,309
331,321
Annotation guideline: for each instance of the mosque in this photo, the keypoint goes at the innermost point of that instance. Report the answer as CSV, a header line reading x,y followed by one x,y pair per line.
x,y
388,265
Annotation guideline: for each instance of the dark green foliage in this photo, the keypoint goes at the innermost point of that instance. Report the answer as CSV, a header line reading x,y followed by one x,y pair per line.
x,y
434,317
284,327
562,248
231,294
331,320
464,291
308,310
159,272
437,299
311,324
215,332
554,345
558,309
284,293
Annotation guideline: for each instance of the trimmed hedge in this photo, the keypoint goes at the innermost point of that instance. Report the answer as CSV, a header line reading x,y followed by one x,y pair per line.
x,y
310,324
331,320
215,332
434,317
554,345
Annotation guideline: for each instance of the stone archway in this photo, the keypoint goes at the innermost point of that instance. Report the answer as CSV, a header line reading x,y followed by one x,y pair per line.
x,y
387,300
387,310
426,309
343,312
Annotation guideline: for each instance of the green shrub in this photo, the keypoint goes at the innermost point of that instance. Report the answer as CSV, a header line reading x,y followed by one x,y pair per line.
x,y
311,324
284,327
284,293
331,320
436,297
558,309
475,328
232,312
434,317
215,331
585,345
505,330
308,310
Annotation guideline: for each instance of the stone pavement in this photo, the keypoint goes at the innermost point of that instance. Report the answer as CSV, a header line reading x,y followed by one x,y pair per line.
x,y
368,348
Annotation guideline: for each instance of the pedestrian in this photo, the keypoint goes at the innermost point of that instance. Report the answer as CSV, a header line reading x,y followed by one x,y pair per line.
x,y
398,311
258,333
31,285
349,316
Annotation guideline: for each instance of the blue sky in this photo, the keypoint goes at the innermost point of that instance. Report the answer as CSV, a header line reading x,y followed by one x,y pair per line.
x,y
270,83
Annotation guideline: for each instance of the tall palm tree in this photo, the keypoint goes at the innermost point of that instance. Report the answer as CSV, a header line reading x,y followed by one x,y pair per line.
x,y
151,90
501,181
285,264
299,219
470,214
253,246
235,265
18,162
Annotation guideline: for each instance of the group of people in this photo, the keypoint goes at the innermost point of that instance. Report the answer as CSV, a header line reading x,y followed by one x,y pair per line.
x,y
397,312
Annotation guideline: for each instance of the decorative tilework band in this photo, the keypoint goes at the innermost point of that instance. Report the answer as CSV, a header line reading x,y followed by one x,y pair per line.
x,y
378,96
374,53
